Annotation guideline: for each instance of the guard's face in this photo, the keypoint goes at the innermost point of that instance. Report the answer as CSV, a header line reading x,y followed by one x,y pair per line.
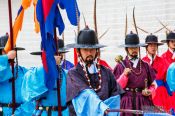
x,y
133,51
88,54
152,48
61,55
59,58
171,44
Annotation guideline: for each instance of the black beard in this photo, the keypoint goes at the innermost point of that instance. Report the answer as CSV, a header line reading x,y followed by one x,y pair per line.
x,y
134,57
89,60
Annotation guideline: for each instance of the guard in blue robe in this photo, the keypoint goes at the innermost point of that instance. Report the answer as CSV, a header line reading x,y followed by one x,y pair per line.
x,y
6,89
170,78
34,89
6,84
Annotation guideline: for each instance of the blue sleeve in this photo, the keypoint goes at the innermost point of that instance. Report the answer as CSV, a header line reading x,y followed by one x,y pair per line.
x,y
26,109
87,103
63,88
5,70
33,85
170,77
113,103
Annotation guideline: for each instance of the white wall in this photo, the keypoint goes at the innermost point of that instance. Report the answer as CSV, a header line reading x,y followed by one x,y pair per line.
x,y
110,14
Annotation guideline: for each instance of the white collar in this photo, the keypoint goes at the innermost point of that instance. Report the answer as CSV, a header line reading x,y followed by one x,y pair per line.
x,y
151,59
62,61
134,61
93,68
131,58
171,50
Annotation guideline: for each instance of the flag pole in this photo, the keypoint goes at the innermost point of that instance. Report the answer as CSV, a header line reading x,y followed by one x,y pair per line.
x,y
78,29
12,61
58,80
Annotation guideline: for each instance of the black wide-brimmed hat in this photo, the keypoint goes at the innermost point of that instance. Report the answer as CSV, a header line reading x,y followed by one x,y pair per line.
x,y
152,39
170,36
61,48
87,38
3,41
132,40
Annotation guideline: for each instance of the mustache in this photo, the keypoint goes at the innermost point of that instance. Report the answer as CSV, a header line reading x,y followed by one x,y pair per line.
x,y
134,53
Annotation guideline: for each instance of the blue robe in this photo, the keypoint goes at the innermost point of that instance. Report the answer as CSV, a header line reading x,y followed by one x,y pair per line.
x,y
6,87
4,69
34,88
87,103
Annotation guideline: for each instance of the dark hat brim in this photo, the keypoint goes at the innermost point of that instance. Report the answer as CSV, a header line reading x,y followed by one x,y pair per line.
x,y
131,46
19,48
158,43
63,50
84,46
36,53
16,48
165,41
40,52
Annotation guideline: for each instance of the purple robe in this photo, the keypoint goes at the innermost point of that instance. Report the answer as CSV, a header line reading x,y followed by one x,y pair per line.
x,y
135,100
76,82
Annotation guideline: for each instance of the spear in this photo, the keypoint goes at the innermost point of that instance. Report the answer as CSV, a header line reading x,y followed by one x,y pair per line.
x,y
85,24
151,109
153,32
142,29
95,21
134,20
160,29
164,25
95,18
126,24
12,62
125,111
